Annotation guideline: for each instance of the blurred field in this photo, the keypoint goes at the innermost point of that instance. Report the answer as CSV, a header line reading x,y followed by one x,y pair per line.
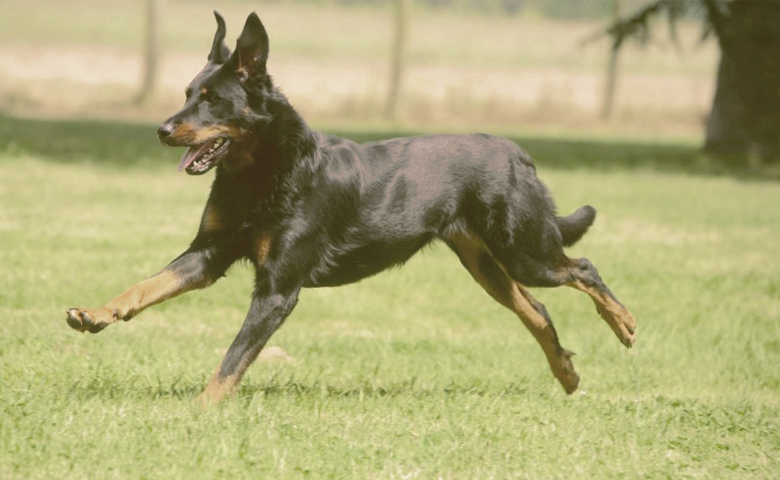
x,y
415,373
82,57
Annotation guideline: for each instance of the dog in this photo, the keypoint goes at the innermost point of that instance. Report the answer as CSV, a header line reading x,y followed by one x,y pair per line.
x,y
314,210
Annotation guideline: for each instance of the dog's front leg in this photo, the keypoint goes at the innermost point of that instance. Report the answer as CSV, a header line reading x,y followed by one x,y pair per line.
x,y
266,314
195,268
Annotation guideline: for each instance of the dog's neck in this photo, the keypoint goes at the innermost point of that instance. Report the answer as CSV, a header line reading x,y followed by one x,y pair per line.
x,y
288,135
282,154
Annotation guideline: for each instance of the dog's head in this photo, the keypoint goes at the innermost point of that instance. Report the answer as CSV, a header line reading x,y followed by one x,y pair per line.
x,y
224,101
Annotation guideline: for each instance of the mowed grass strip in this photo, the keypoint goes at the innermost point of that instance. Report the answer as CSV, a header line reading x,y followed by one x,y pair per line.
x,y
415,373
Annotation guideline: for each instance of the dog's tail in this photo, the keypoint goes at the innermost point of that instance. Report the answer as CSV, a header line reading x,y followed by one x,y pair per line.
x,y
574,226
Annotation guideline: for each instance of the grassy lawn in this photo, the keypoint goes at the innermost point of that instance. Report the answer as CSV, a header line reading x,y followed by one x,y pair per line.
x,y
415,373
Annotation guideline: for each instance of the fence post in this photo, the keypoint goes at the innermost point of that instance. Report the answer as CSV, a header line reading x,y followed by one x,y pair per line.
x,y
397,54
151,50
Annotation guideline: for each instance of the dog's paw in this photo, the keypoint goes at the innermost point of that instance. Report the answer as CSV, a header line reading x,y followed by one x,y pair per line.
x,y
621,321
565,372
90,320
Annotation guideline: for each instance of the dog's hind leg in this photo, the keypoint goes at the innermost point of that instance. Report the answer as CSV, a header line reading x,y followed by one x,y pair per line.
x,y
540,263
478,260
585,277
580,274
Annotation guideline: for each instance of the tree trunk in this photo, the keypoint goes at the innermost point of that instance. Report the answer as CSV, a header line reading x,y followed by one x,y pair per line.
x,y
151,51
745,115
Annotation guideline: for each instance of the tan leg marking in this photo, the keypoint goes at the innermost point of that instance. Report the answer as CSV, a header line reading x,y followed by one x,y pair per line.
x,y
218,388
620,320
510,294
136,299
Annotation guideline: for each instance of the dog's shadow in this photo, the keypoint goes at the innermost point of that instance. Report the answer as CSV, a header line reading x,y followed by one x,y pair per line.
x,y
373,389
108,389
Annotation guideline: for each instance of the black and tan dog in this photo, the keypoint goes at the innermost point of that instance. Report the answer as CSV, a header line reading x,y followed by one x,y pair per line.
x,y
313,210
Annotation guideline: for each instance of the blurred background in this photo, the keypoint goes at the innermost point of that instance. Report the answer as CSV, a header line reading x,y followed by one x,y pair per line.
x,y
490,65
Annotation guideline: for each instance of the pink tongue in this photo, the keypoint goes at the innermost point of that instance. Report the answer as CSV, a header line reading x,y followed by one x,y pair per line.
x,y
191,155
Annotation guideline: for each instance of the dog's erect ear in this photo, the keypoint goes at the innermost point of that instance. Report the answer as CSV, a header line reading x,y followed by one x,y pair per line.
x,y
219,51
252,49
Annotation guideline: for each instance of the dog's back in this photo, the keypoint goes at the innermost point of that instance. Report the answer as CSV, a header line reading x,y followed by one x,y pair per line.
x,y
441,176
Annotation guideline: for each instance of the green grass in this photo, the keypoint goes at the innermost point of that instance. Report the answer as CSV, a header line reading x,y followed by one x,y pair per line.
x,y
414,373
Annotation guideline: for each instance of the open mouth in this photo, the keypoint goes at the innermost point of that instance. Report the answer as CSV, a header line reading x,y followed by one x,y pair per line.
x,y
199,159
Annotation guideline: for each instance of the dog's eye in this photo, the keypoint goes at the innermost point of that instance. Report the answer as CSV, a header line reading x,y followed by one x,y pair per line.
x,y
209,96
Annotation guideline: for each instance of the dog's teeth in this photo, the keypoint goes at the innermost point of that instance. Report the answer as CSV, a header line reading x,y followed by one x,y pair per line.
x,y
203,163
217,143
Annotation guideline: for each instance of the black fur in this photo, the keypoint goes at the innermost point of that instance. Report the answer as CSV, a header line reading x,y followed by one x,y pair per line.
x,y
337,211
575,225
311,210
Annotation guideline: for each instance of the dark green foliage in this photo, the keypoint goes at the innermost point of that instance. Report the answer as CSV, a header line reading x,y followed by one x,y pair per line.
x,y
116,142
639,25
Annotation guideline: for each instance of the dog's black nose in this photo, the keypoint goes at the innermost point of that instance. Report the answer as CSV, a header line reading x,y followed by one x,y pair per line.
x,y
165,130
